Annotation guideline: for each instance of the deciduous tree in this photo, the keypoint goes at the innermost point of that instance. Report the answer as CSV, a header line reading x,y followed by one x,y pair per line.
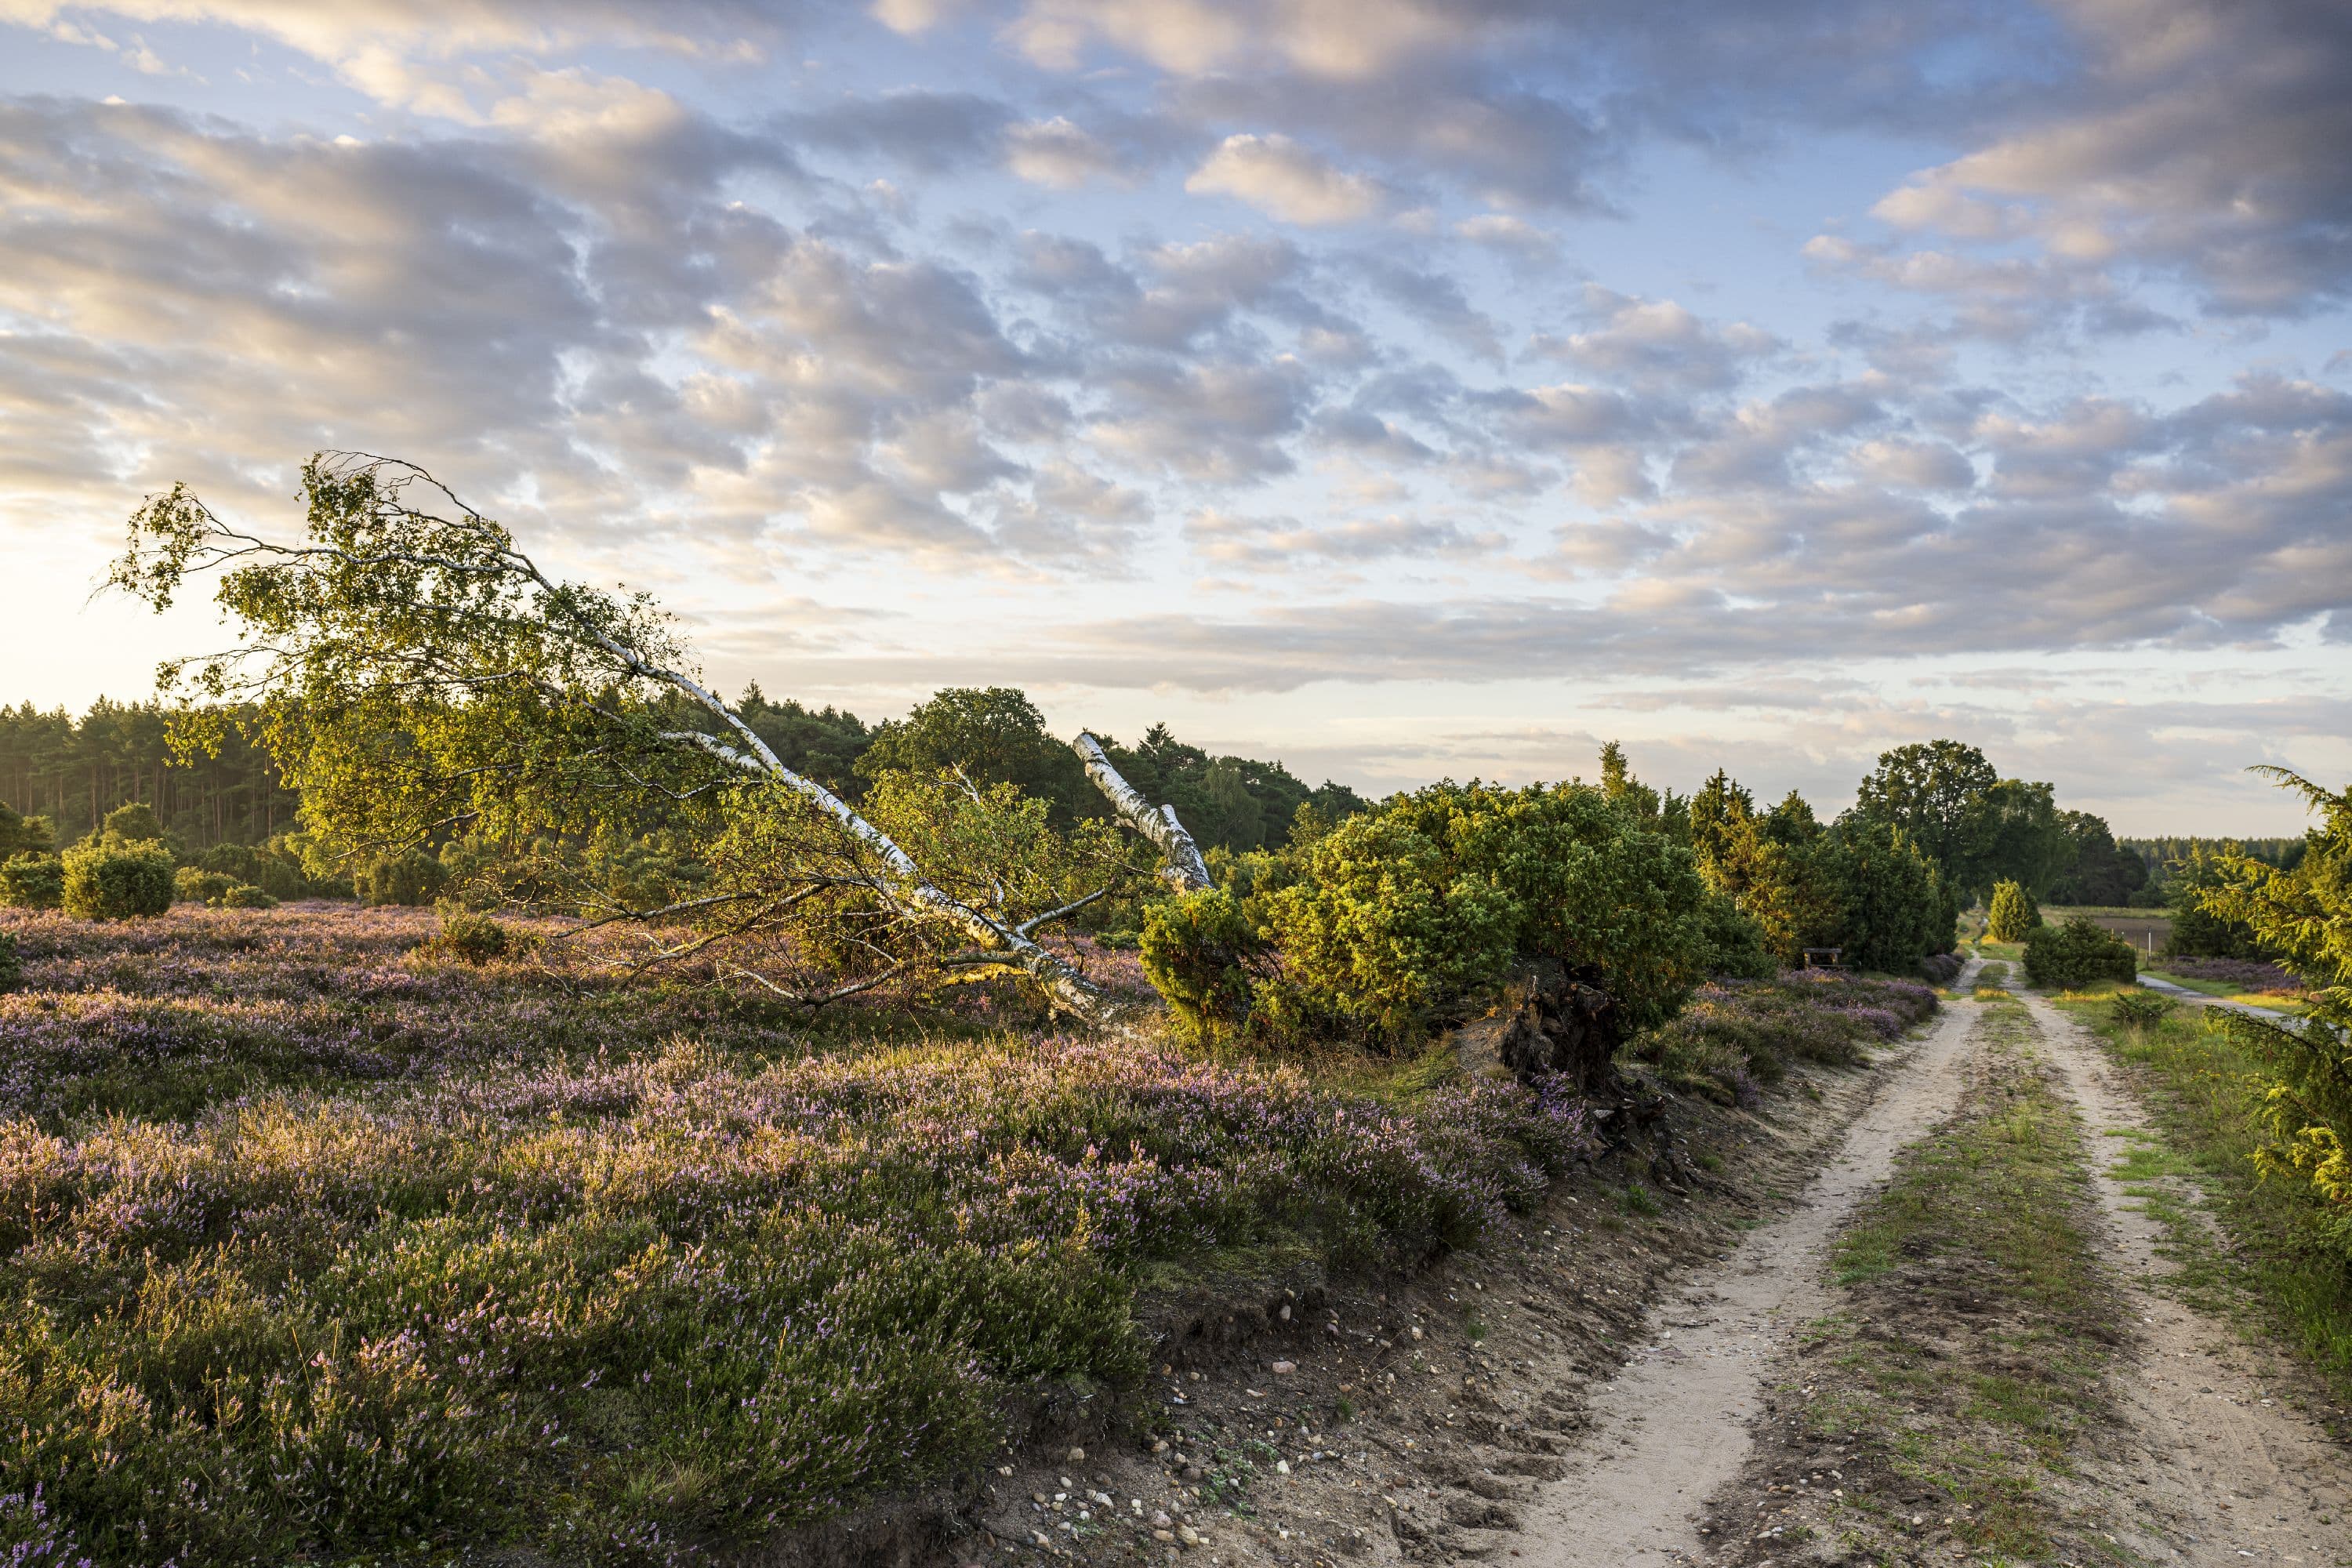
x,y
416,675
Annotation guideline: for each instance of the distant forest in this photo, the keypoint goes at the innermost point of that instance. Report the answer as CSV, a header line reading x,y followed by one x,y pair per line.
x,y
74,771
2165,857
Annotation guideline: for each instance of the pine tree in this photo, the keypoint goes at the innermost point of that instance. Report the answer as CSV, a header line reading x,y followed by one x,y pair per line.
x,y
2013,913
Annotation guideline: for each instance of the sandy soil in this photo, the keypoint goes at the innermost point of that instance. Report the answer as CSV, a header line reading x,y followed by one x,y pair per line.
x,y
1459,1414
1593,1391
2218,1465
1677,1423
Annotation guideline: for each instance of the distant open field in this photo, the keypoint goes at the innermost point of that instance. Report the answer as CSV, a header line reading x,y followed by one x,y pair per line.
x,y
2146,929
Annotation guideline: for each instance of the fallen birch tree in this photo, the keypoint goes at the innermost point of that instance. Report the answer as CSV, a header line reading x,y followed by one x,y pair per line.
x,y
417,676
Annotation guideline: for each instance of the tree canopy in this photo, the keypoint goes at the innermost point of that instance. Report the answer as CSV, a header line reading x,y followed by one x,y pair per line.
x,y
416,676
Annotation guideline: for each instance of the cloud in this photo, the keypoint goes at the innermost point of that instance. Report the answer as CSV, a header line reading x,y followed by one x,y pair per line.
x,y
1223,421
974,339
1074,520
1058,153
1658,345
922,129
1284,543
1357,41
448,29
2205,138
1512,235
1285,180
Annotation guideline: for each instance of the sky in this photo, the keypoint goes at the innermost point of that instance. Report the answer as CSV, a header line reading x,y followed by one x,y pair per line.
x,y
1402,389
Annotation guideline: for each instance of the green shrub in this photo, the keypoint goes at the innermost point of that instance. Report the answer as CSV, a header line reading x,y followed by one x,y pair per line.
x,y
107,882
1385,926
245,896
1894,908
2012,914
1399,915
194,885
2077,953
411,877
1202,953
12,964
1735,945
2139,1009
33,881
473,938
1395,918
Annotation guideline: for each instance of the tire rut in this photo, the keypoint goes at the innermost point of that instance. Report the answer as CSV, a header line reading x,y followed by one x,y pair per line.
x,y
1674,1427
2210,1464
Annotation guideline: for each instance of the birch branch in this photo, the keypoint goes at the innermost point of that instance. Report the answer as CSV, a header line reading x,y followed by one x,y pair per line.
x,y
1072,907
1180,858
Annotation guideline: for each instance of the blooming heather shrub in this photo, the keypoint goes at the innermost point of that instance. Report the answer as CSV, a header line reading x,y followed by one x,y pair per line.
x,y
1733,1036
2247,974
31,1535
419,1256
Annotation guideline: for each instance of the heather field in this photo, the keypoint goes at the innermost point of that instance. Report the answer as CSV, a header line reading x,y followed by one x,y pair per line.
x,y
319,1245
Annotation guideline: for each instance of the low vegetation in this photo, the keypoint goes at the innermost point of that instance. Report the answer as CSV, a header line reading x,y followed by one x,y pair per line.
x,y
2080,952
351,1233
2230,976
1966,1360
2209,1095
738,1141
1736,1038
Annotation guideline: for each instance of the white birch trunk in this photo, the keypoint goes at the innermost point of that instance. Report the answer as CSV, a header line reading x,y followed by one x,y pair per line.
x,y
1181,859
910,887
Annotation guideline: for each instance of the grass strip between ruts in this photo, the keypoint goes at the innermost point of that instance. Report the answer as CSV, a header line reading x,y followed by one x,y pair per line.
x,y
1965,1361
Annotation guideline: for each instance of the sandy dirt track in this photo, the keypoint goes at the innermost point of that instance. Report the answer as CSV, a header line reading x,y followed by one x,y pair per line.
x,y
1674,1427
2212,1465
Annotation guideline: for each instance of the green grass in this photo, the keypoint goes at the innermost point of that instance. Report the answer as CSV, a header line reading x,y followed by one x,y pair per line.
x,y
2270,1280
2189,983
2277,1001
1990,1218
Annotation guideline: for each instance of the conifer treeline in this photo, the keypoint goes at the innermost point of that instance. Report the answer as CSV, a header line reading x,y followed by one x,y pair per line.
x,y
75,770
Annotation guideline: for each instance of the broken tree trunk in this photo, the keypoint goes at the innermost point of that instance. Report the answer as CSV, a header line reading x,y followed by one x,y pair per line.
x,y
1181,859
